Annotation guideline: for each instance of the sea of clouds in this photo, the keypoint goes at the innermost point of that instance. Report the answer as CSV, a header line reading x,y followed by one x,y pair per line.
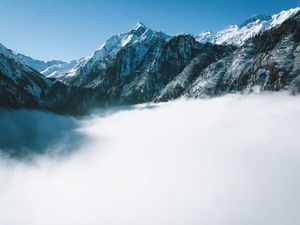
x,y
233,160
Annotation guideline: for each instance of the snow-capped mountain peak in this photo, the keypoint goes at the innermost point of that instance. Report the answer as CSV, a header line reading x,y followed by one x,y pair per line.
x,y
139,25
102,56
283,16
143,65
237,35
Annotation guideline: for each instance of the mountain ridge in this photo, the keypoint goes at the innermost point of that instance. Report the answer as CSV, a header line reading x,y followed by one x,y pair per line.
x,y
144,65
239,34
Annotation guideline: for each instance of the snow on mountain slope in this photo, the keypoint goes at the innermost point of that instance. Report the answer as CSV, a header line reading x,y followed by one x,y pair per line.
x,y
7,69
143,65
267,62
102,57
20,85
51,69
237,35
59,70
38,65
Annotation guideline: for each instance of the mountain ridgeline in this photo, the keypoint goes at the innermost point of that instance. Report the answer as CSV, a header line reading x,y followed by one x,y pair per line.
x,y
143,65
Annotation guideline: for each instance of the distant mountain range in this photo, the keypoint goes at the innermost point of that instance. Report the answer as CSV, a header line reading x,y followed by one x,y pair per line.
x,y
143,65
239,34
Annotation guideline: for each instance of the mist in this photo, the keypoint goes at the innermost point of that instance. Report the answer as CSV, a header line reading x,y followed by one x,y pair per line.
x,y
25,133
233,160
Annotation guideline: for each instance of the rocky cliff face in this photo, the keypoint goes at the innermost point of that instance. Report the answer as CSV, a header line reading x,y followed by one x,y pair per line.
x,y
268,62
20,86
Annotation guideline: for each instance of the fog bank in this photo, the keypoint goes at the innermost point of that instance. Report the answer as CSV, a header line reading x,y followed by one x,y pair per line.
x,y
233,160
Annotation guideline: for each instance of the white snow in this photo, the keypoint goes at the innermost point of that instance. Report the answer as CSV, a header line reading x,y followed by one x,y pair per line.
x,y
140,36
139,25
59,70
283,16
126,40
237,35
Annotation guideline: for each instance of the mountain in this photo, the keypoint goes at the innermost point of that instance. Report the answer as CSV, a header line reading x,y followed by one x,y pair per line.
x,y
52,68
59,69
238,35
131,67
209,54
134,67
38,65
135,44
269,61
24,87
20,85
144,65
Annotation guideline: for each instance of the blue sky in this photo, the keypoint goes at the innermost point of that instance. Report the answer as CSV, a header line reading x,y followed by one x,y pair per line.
x,y
70,29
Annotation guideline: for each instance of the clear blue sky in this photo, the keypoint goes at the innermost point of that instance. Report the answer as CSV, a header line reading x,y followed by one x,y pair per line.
x,y
70,29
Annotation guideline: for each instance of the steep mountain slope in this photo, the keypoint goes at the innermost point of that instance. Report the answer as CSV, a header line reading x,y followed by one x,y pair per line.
x,y
24,87
238,35
209,54
135,44
136,67
143,65
163,61
142,79
20,86
269,61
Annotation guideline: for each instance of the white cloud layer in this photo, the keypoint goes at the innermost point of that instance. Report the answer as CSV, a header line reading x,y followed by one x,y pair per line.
x,y
233,160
